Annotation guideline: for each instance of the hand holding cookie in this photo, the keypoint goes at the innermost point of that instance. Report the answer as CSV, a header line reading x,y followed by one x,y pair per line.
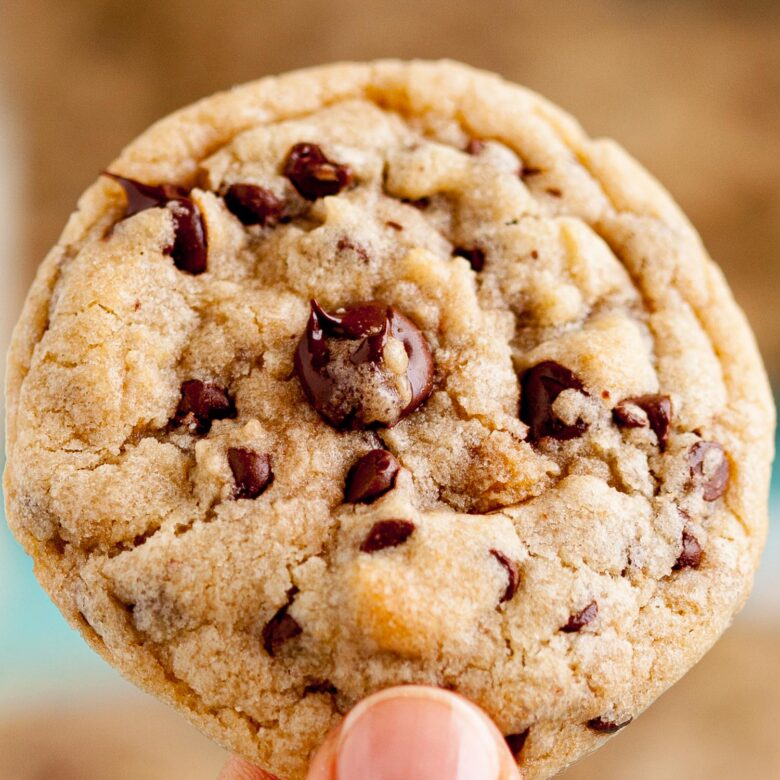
x,y
406,733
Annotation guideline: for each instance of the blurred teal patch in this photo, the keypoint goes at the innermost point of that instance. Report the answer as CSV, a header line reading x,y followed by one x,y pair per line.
x,y
39,651
775,490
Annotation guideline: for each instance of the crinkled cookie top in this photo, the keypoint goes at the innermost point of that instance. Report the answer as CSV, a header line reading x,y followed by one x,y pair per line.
x,y
406,381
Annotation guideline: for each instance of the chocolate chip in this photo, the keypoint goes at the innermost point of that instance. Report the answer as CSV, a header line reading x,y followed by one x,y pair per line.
x,y
141,539
709,455
189,249
528,170
606,726
657,413
364,366
320,686
580,619
372,476
515,742
313,174
254,205
418,203
280,628
474,146
251,471
146,196
475,256
387,533
513,574
202,402
347,245
690,555
629,415
540,386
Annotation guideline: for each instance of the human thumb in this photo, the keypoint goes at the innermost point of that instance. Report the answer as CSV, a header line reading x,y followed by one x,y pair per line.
x,y
414,733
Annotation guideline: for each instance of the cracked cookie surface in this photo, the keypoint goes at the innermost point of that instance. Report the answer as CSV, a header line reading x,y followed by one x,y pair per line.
x,y
386,373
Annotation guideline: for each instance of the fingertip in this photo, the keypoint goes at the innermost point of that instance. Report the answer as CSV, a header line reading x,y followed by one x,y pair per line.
x,y
509,769
238,769
418,733
322,766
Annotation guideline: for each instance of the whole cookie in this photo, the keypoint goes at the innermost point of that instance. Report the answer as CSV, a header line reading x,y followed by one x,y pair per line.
x,y
386,373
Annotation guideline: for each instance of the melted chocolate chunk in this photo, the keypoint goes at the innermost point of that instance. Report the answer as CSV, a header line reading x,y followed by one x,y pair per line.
x,y
515,742
189,249
313,174
418,203
690,554
580,619
279,629
709,454
541,385
606,726
343,367
254,205
475,256
146,196
387,533
371,477
251,471
513,574
657,413
202,402
474,146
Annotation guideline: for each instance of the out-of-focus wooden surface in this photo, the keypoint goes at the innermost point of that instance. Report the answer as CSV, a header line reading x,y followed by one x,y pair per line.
x,y
691,88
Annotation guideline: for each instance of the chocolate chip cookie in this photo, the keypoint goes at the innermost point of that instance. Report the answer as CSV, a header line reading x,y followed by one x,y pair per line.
x,y
379,374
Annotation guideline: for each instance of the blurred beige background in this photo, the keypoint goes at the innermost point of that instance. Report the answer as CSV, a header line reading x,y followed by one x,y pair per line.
x,y
690,88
